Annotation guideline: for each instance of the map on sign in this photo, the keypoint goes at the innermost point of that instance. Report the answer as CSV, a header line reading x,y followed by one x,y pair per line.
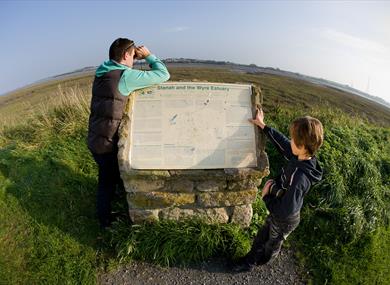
x,y
193,125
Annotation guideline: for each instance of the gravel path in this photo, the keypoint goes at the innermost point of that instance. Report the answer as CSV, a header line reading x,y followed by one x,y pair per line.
x,y
283,270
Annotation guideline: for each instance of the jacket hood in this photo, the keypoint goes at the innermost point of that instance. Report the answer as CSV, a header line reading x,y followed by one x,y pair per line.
x,y
311,168
107,66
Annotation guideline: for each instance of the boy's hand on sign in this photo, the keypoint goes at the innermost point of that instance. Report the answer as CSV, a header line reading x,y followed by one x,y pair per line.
x,y
259,119
266,188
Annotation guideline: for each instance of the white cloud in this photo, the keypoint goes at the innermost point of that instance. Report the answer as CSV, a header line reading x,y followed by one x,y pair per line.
x,y
176,29
355,42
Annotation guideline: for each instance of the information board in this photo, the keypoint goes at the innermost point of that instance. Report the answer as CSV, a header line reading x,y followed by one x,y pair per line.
x,y
193,125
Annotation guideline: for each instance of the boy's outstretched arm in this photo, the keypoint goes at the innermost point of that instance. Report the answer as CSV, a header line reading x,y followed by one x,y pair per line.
x,y
281,142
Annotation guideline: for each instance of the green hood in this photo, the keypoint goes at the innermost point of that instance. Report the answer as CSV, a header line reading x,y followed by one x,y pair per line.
x,y
107,66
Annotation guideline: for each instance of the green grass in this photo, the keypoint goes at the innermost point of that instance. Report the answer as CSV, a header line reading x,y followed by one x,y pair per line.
x,y
49,233
47,227
171,243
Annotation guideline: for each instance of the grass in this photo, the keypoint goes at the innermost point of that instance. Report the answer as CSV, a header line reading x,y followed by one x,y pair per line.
x,y
168,242
48,228
49,233
38,98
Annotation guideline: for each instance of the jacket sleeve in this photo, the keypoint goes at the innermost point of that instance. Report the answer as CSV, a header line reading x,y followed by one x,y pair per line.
x,y
133,79
281,142
291,201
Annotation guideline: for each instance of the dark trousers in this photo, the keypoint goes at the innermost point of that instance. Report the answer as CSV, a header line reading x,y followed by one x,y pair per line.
x,y
269,239
108,179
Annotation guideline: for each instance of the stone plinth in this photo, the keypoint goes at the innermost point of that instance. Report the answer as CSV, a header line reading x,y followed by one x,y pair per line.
x,y
213,195
216,196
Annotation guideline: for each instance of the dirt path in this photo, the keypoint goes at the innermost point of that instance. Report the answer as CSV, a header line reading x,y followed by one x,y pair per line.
x,y
282,270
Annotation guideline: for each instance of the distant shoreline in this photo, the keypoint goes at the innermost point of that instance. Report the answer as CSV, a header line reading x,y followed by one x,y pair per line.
x,y
190,63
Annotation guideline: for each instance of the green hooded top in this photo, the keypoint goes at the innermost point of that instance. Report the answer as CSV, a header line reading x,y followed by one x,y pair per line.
x,y
133,79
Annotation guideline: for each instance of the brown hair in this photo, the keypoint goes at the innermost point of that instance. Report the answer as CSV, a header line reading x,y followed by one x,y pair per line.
x,y
119,47
308,132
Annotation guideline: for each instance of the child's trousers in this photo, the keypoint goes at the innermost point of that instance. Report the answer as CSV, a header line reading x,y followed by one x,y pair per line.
x,y
269,239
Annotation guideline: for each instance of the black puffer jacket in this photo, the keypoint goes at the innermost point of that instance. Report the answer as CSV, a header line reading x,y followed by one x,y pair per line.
x,y
286,194
107,107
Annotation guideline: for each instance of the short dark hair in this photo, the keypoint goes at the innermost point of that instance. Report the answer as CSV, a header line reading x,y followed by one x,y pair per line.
x,y
119,47
308,132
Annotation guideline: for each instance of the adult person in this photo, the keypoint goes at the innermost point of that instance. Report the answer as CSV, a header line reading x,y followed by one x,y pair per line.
x,y
114,80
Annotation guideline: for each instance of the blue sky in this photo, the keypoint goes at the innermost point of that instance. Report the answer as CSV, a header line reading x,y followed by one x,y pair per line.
x,y
347,42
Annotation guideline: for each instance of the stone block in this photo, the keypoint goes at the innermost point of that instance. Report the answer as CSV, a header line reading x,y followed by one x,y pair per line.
x,y
244,173
154,200
222,199
175,214
138,216
211,186
145,174
199,174
212,215
243,184
183,186
242,215
141,185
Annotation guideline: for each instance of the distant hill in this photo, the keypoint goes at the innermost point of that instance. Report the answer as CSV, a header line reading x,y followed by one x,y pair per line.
x,y
251,68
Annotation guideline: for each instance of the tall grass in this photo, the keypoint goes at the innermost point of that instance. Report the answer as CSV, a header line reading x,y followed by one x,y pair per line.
x,y
71,103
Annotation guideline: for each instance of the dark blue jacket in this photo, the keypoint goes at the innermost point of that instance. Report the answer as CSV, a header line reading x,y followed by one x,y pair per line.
x,y
286,194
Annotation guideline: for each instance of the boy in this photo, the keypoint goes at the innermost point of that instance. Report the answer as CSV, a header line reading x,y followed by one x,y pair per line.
x,y
283,196
114,80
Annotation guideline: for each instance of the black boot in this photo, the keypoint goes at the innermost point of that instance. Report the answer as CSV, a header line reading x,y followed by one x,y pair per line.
x,y
244,264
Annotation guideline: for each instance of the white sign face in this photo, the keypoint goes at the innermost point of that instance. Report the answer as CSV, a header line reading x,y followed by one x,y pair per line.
x,y
193,125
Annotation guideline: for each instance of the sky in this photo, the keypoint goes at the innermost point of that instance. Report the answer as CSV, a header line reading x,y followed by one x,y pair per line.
x,y
344,41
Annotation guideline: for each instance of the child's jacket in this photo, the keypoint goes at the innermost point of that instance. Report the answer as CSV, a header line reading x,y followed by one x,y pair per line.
x,y
286,194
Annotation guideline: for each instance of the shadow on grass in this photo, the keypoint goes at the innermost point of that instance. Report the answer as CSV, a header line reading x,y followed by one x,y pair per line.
x,y
54,194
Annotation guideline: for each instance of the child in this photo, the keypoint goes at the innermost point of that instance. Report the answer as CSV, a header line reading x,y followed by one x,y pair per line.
x,y
283,196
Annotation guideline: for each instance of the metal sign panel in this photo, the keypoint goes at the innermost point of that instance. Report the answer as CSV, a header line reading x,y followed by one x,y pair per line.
x,y
191,125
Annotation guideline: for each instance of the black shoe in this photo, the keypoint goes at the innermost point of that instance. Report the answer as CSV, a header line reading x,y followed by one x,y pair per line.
x,y
242,266
105,227
115,215
105,224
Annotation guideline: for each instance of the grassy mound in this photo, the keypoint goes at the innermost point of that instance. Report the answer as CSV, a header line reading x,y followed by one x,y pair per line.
x,y
47,225
49,232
